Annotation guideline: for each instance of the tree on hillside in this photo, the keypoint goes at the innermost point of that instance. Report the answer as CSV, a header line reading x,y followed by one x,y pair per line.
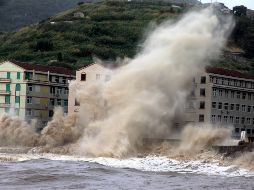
x,y
44,45
240,10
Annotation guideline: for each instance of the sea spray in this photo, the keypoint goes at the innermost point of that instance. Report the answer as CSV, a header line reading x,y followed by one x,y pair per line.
x,y
141,100
144,95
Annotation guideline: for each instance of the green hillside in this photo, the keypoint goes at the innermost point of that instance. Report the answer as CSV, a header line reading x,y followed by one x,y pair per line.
x,y
108,30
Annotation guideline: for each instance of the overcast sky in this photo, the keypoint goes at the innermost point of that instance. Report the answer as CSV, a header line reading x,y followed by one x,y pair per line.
x,y
231,3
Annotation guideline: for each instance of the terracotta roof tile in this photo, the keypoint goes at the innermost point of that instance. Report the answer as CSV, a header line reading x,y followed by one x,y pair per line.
x,y
227,72
44,68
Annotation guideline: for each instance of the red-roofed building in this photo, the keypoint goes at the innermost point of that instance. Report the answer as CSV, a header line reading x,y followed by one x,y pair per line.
x,y
223,97
31,90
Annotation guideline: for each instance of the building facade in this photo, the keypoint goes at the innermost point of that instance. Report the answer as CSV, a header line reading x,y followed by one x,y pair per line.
x,y
223,97
32,91
91,74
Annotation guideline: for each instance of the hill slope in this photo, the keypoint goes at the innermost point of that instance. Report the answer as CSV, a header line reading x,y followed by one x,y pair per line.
x,y
17,13
107,30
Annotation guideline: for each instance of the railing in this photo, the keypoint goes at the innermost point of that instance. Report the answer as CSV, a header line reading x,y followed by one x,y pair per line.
x,y
4,92
5,105
34,81
5,80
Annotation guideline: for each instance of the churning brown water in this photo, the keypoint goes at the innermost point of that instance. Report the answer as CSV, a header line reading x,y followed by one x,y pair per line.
x,y
143,98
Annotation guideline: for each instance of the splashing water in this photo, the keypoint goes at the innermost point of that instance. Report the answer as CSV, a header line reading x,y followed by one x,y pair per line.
x,y
143,97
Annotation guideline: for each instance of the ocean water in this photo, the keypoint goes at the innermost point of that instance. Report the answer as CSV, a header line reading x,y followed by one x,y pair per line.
x,y
49,171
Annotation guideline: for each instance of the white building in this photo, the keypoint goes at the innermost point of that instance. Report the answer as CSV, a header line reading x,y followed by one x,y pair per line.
x,y
224,97
91,74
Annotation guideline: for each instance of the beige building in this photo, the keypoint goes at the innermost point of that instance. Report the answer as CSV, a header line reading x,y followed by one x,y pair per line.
x,y
91,74
31,91
223,97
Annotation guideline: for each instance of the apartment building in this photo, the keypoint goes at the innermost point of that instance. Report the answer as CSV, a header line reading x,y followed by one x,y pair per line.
x,y
223,97
91,74
31,91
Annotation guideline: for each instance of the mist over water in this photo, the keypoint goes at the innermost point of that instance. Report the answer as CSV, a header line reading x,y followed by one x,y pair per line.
x,y
141,100
145,95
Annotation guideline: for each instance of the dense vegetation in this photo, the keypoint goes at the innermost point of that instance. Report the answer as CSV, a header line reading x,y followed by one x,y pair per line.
x,y
18,13
107,29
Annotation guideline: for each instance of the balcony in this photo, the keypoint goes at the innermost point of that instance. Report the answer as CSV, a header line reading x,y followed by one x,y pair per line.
x,y
4,92
41,82
5,80
5,105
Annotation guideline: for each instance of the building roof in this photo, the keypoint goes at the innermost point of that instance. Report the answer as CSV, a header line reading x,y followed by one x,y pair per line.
x,y
43,68
228,72
104,65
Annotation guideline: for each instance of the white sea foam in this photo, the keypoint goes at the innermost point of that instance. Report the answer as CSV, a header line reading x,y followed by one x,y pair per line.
x,y
149,163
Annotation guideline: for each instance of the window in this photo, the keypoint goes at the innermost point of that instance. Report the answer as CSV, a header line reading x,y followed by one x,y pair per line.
x,y
29,100
16,111
202,105
201,118
65,103
59,90
203,80
17,99
248,131
98,76
236,130
30,87
107,78
213,118
232,106
252,131
18,75
64,80
66,91
76,102
83,77
50,78
220,106
237,107
225,119
226,93
237,120
28,112
248,121
231,118
242,120
232,94
7,99
51,113
219,118
249,96
8,75
220,92
52,90
59,102
238,94
252,120
214,105
202,92
27,76
226,106
52,101
18,88
243,95
57,79
214,92
243,108
8,87
248,108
